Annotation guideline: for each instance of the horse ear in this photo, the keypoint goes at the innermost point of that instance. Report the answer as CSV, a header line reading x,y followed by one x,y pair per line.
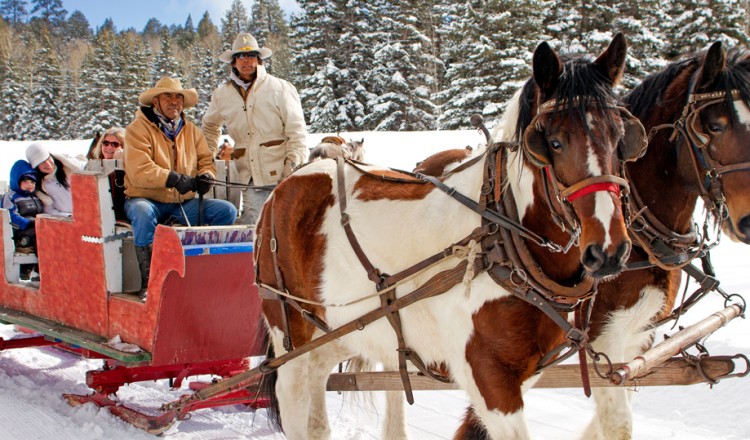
x,y
535,146
713,65
547,69
612,60
634,142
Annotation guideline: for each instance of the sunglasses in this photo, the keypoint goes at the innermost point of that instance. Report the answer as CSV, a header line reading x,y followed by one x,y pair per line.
x,y
248,55
111,144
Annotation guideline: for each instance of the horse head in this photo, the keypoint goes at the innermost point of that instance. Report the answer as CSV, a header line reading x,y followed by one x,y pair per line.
x,y
719,129
577,135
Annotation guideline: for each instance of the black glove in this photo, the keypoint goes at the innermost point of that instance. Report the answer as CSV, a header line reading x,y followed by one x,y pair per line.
x,y
182,183
203,183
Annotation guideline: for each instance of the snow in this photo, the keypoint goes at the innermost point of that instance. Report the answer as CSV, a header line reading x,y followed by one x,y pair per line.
x,y
32,381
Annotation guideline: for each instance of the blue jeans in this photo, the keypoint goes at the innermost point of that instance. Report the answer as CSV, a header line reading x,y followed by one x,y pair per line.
x,y
145,214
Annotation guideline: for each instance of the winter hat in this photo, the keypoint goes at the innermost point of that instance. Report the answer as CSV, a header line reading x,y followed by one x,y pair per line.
x,y
169,85
245,43
36,153
21,170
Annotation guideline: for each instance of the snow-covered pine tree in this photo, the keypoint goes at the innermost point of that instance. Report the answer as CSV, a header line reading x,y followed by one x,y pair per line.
x,y
270,28
165,63
697,24
134,57
98,94
333,55
492,59
13,103
400,81
44,108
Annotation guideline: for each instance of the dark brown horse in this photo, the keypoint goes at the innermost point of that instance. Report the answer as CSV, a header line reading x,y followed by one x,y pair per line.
x,y
330,215
709,95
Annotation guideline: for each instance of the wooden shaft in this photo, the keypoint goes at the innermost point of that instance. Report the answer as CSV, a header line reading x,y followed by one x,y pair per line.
x,y
675,371
641,365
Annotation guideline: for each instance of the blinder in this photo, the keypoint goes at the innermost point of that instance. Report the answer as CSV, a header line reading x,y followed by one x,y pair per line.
x,y
631,147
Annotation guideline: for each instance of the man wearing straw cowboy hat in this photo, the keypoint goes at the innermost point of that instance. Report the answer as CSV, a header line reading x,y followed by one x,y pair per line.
x,y
163,155
263,115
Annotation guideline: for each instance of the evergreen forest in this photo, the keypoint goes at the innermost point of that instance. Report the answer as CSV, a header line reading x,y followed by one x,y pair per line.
x,y
359,65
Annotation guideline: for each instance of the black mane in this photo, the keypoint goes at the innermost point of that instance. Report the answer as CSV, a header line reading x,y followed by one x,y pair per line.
x,y
580,78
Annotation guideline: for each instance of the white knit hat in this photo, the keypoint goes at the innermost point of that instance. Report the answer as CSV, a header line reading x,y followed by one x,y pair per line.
x,y
36,153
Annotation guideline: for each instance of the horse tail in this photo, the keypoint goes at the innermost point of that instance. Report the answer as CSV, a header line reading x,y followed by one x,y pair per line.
x,y
267,386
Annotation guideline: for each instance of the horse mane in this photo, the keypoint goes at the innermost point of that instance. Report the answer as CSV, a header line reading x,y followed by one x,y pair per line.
x,y
652,90
580,78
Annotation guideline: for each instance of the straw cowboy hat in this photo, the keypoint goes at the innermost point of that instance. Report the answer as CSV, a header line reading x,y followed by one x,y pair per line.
x,y
245,43
169,85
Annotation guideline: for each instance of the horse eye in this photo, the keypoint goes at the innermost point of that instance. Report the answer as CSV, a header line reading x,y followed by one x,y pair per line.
x,y
715,127
555,145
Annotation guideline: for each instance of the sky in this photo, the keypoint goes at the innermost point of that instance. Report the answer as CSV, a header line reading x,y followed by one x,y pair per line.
x,y
32,380
135,13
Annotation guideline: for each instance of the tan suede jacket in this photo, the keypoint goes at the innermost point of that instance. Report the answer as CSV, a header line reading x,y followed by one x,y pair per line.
x,y
149,155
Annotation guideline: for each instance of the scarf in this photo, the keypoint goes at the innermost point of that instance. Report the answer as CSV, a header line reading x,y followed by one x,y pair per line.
x,y
170,127
237,80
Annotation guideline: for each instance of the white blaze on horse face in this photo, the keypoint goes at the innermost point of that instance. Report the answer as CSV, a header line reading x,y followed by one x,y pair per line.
x,y
743,112
604,208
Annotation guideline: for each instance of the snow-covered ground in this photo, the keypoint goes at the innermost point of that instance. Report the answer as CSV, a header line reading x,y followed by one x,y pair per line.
x,y
33,380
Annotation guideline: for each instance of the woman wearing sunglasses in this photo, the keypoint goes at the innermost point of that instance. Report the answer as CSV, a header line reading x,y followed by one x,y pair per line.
x,y
110,146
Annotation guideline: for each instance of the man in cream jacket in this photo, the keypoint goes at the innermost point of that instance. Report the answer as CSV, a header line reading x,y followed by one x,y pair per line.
x,y
263,114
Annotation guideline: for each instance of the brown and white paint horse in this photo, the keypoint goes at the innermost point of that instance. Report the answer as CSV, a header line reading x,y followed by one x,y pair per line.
x,y
669,179
489,339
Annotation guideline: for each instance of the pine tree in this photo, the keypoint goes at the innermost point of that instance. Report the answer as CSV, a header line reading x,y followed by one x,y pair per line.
x,y
13,103
399,80
707,21
270,28
98,95
205,80
44,107
134,76
333,56
639,21
14,11
165,63
50,12
186,36
234,22
206,28
491,61
77,27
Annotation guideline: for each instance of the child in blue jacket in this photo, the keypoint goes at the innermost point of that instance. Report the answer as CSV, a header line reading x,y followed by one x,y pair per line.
x,y
23,204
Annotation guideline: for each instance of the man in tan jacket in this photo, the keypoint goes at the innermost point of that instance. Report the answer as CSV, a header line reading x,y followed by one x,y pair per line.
x,y
263,115
163,155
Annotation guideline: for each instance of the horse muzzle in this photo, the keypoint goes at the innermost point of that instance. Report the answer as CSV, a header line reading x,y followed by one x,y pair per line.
x,y
599,264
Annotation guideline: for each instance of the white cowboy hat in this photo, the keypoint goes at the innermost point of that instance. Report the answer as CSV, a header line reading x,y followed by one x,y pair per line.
x,y
245,43
169,85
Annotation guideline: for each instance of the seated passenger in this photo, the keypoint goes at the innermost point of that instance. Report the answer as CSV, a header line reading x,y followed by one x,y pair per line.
x,y
110,146
23,204
167,161
53,176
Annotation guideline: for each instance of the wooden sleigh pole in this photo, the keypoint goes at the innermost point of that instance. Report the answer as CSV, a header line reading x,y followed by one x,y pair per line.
x,y
687,337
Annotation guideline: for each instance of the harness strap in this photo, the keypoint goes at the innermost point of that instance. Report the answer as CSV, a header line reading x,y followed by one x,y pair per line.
x,y
265,293
372,272
280,283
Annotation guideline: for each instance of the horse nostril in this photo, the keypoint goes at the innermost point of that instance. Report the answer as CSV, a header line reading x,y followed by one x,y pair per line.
x,y
593,258
744,225
622,253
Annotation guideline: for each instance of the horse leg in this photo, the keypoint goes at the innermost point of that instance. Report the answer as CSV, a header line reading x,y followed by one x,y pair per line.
x,y
320,363
292,392
394,423
623,337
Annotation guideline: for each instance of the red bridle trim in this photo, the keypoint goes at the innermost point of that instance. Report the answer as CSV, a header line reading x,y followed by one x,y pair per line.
x,y
595,187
